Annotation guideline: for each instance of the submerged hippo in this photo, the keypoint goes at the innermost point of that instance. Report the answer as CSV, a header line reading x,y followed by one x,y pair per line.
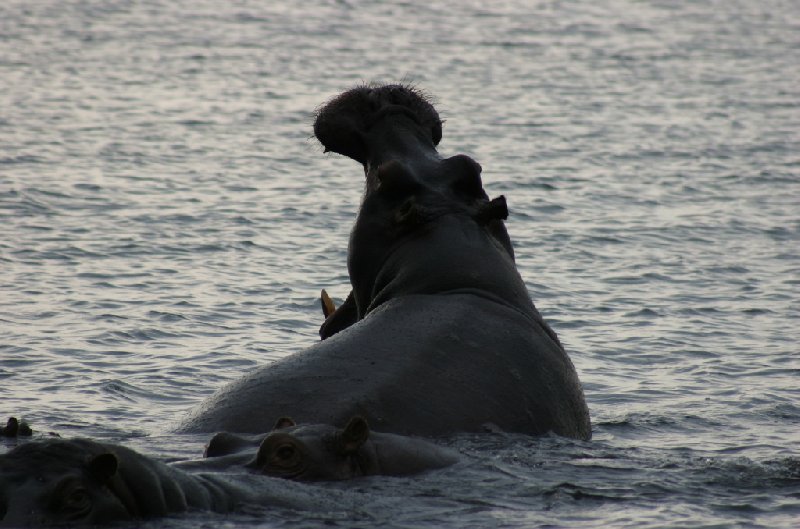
x,y
83,482
16,428
323,452
439,334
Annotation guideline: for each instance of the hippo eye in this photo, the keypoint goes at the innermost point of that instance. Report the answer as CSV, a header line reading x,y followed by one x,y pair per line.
x,y
285,452
73,501
77,498
280,455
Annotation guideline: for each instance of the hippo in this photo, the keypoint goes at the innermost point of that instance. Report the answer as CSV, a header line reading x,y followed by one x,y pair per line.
x,y
438,334
15,428
84,482
322,452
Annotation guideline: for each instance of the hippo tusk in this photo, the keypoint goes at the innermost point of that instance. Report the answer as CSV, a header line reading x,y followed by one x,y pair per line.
x,y
328,307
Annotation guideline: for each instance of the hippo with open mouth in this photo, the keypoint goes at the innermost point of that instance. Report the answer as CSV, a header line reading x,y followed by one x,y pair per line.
x,y
439,334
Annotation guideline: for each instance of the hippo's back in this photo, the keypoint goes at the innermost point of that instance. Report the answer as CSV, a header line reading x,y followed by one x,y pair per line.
x,y
418,365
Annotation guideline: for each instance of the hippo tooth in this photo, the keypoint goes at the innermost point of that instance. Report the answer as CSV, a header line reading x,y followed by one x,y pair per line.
x,y
328,306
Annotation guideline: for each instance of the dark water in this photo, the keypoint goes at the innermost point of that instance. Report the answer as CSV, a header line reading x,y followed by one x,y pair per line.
x,y
167,221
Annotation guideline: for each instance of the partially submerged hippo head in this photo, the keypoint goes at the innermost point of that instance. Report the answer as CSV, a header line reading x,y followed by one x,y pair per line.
x,y
426,225
16,428
59,482
322,452
78,482
315,452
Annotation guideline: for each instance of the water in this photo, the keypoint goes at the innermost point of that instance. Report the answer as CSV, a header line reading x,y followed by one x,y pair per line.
x,y
168,221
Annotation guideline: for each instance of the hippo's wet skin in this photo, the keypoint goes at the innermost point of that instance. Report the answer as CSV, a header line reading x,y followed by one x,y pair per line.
x,y
322,452
83,482
439,334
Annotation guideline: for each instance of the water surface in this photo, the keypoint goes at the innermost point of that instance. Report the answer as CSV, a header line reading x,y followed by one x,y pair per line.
x,y
167,221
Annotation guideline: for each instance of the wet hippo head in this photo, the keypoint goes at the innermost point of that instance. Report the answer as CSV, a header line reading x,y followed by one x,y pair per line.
x,y
83,482
426,225
322,452
314,452
58,483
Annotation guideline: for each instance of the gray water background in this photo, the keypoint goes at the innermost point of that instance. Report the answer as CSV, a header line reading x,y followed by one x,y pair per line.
x,y
167,221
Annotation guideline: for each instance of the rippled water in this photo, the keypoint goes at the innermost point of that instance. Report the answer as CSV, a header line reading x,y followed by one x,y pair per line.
x,y
167,221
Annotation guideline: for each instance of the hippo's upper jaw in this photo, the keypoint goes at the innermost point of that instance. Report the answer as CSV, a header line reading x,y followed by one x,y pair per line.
x,y
345,124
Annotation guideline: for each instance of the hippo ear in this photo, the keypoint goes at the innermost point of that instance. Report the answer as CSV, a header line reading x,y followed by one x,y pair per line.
x,y
11,428
495,209
103,467
284,422
353,436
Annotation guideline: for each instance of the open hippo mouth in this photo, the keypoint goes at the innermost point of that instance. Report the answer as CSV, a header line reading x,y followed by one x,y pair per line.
x,y
343,123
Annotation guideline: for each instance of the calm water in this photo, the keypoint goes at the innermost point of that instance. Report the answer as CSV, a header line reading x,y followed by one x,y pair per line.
x,y
167,221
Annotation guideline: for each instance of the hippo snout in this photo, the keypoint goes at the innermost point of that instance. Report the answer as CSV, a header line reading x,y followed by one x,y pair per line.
x,y
343,124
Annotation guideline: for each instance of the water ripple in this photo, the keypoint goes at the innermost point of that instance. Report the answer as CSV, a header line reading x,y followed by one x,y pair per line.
x,y
168,220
